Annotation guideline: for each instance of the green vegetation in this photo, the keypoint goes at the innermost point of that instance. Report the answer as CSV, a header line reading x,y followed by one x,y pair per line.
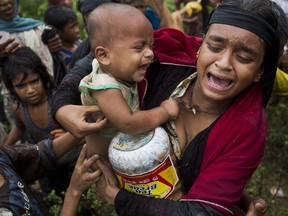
x,y
89,205
273,172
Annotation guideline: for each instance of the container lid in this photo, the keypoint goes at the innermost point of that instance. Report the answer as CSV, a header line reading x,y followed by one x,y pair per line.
x,y
126,142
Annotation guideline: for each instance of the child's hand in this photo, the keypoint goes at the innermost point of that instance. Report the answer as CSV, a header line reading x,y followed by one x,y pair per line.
x,y
55,44
58,132
172,108
83,177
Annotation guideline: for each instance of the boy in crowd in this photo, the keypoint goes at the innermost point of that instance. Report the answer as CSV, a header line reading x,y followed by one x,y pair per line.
x,y
65,22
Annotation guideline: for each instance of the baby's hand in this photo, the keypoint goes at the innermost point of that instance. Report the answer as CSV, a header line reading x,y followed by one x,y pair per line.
x,y
172,108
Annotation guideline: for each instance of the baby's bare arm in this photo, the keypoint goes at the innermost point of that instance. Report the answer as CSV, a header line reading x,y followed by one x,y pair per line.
x,y
117,111
97,145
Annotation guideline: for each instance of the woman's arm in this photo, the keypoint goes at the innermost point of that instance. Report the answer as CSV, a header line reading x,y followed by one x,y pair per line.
x,y
31,160
127,203
67,100
67,93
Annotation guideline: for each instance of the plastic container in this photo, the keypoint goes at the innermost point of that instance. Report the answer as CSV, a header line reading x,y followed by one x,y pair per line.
x,y
143,164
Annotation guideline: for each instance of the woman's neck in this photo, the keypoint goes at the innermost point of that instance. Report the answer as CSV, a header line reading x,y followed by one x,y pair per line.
x,y
200,103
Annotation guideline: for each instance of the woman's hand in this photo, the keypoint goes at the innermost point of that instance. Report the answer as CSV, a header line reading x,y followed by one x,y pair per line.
x,y
8,46
107,186
73,119
258,207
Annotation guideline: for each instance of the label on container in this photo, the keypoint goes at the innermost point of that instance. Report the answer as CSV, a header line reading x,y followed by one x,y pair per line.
x,y
159,182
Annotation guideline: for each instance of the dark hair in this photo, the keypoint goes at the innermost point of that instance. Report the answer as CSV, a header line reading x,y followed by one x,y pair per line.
x,y
86,6
25,61
59,16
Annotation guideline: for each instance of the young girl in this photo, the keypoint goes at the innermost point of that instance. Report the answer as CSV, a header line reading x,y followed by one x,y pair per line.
x,y
28,82
30,85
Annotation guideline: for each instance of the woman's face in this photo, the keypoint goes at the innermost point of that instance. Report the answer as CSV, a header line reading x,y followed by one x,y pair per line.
x,y
29,90
229,61
7,9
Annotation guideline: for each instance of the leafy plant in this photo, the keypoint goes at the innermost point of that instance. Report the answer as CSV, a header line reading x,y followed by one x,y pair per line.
x,y
89,204
55,202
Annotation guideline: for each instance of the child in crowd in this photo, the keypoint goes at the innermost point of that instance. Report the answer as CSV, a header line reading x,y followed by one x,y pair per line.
x,y
27,32
28,82
122,47
64,20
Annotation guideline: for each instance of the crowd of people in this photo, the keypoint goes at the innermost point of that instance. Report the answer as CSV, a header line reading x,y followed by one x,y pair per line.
x,y
207,84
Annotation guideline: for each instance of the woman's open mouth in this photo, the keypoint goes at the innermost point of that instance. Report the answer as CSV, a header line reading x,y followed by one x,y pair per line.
x,y
219,83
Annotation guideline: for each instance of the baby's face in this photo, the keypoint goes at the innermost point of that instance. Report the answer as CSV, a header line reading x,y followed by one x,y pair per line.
x,y
131,52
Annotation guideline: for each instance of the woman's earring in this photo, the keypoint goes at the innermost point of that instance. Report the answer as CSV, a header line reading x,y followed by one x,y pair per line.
x,y
197,54
257,77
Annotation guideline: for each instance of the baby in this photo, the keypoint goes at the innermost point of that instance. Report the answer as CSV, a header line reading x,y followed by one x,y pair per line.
x,y
121,38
